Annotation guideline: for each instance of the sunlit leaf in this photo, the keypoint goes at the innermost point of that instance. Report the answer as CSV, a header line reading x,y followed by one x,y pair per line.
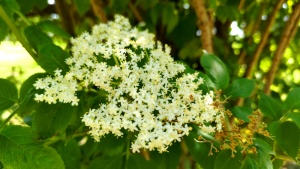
x,y
270,107
215,69
19,150
8,94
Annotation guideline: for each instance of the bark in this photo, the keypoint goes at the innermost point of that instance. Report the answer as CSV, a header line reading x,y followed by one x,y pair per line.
x,y
97,7
264,39
64,10
135,12
287,34
203,24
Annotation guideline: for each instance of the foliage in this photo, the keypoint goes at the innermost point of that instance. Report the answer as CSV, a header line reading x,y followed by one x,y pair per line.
x,y
249,61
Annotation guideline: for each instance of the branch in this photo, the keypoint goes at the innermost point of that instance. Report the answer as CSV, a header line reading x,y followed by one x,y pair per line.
x,y
251,28
63,10
17,33
264,39
287,34
136,13
97,7
204,24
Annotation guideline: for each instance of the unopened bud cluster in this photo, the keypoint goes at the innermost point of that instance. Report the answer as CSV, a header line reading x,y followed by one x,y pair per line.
x,y
147,93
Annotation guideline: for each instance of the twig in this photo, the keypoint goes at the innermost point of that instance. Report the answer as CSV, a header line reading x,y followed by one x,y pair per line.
x,y
17,33
264,39
204,24
251,29
15,111
97,7
136,13
287,34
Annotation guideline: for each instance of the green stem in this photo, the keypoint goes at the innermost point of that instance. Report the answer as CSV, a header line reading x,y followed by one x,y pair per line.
x,y
17,33
116,60
9,117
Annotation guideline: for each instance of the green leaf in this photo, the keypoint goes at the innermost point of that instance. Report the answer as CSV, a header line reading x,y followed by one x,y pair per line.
x,y
293,99
168,160
82,6
200,151
241,113
250,162
225,161
8,94
215,69
18,150
240,88
295,117
136,161
52,57
41,4
169,16
52,118
270,107
70,153
37,38
11,7
4,30
264,160
287,137
106,162
27,92
50,26
263,146
111,145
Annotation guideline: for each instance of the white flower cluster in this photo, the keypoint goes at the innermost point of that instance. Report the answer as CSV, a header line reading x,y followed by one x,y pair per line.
x,y
148,93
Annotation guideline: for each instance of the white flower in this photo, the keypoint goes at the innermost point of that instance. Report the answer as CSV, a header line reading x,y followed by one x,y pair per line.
x,y
147,92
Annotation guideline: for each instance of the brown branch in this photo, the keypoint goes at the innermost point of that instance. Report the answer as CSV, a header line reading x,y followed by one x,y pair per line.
x,y
251,28
63,10
97,7
285,38
204,24
264,39
241,5
136,13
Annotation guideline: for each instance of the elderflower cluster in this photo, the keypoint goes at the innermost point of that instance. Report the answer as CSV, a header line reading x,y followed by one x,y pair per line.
x,y
147,92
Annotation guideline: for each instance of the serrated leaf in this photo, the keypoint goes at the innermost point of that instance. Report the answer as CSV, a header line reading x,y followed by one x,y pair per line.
x,y
27,92
225,161
295,117
52,118
18,150
37,38
215,69
287,137
82,6
293,99
270,107
70,153
8,94
241,113
106,162
50,26
52,57
240,88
